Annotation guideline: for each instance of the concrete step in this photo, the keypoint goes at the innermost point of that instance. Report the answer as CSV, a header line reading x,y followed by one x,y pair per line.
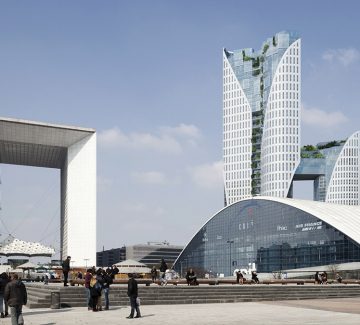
x,y
76,296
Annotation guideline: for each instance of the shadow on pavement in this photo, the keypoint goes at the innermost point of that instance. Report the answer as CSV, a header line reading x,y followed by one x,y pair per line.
x,y
143,316
30,313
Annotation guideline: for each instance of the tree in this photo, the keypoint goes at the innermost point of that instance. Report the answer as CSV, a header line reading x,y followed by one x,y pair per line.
x,y
333,269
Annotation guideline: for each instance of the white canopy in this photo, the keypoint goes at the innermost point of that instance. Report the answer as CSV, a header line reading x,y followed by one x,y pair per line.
x,y
12,246
27,265
131,266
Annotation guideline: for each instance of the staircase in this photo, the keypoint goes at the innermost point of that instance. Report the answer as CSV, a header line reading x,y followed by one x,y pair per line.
x,y
40,296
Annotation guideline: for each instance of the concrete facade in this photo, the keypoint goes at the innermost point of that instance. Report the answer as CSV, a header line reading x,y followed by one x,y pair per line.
x,y
73,151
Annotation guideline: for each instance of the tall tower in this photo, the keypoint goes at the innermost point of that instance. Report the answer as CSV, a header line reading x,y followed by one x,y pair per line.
x,y
261,118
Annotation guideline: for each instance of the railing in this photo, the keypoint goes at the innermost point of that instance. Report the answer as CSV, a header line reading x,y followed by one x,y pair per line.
x,y
218,281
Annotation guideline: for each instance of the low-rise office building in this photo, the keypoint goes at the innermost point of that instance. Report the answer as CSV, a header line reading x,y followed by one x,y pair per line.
x,y
149,254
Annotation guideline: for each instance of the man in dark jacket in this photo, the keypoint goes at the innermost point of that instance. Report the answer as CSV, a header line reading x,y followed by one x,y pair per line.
x,y
107,282
133,294
66,269
162,269
4,280
16,296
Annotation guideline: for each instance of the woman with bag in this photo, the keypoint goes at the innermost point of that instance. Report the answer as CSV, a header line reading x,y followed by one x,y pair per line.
x,y
95,291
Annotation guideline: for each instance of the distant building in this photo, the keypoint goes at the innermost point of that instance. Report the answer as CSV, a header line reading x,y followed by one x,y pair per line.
x,y
149,254
110,256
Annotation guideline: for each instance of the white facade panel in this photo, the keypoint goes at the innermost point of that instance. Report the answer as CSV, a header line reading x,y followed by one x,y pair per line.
x,y
237,123
79,195
280,148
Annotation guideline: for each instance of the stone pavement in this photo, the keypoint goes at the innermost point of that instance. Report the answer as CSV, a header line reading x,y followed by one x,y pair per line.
x,y
330,311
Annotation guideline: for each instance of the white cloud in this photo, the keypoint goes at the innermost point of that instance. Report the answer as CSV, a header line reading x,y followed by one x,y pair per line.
x,y
322,119
183,130
344,56
112,137
151,177
162,143
168,140
208,175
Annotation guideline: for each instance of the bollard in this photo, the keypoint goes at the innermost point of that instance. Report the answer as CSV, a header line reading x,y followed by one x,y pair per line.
x,y
55,300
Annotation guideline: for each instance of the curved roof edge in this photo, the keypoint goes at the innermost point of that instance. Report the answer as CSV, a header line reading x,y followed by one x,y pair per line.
x,y
345,218
48,125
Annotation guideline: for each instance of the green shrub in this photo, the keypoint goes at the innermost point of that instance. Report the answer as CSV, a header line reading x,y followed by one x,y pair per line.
x,y
265,48
309,147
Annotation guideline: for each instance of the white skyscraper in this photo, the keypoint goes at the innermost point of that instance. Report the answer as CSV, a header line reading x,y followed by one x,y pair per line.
x,y
261,118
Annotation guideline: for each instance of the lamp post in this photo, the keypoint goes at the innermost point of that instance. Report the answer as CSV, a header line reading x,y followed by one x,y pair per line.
x,y
86,260
230,242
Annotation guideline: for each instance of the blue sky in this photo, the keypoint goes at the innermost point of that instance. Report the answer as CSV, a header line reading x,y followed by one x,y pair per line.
x,y
147,76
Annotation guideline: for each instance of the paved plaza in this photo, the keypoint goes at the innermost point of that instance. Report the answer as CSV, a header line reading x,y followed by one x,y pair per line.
x,y
330,311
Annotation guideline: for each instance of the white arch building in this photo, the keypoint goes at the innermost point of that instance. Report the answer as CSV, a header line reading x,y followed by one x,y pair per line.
x,y
73,151
344,184
261,117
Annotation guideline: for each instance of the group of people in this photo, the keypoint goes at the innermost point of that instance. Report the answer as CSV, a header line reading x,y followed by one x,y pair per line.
x,y
97,285
321,278
240,279
14,295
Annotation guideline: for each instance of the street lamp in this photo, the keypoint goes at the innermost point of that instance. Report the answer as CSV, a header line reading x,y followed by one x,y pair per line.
x,y
230,242
86,260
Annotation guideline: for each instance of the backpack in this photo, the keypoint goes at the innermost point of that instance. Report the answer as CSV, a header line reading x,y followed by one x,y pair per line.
x,y
92,281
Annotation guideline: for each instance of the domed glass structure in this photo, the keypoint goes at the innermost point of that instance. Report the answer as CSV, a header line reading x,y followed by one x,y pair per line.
x,y
276,234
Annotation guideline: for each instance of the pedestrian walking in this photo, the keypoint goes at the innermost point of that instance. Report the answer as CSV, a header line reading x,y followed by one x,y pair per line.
x,y
133,296
16,296
66,269
3,282
88,276
153,274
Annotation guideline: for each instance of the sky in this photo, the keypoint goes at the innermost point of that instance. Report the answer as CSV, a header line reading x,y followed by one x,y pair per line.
x,y
147,75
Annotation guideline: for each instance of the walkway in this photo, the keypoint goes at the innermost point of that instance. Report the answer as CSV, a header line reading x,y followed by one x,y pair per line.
x,y
330,311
